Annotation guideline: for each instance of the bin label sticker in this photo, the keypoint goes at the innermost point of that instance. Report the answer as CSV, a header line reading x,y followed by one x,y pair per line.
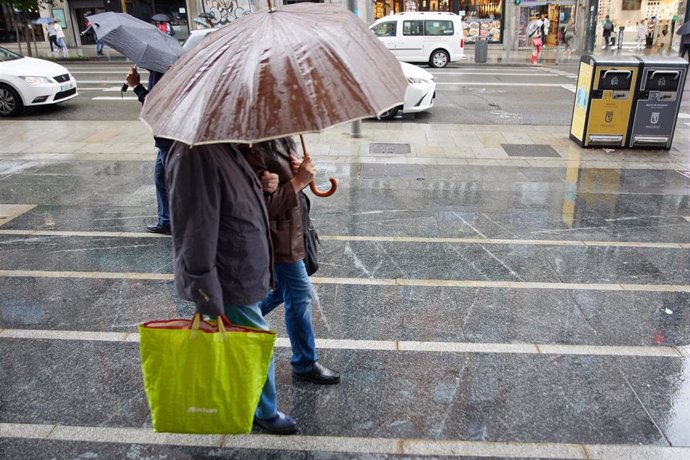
x,y
614,81
655,118
584,82
609,117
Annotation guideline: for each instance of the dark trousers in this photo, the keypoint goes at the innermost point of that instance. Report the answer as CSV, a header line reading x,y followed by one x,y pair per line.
x,y
161,189
685,48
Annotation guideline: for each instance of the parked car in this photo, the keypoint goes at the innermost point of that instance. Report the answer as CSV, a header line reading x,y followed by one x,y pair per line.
x,y
420,94
26,81
434,37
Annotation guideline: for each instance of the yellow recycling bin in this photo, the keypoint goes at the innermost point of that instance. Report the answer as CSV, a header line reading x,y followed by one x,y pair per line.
x,y
604,100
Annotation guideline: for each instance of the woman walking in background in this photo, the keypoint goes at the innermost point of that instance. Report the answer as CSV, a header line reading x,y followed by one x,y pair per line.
x,y
569,37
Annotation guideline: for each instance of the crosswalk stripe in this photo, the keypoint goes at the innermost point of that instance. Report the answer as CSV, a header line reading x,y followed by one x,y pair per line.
x,y
343,445
499,284
374,238
386,345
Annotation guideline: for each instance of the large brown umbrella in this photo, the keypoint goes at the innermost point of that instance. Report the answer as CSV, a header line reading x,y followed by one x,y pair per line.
x,y
298,69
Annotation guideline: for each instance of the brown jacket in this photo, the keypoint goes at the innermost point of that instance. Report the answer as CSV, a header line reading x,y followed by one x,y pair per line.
x,y
287,234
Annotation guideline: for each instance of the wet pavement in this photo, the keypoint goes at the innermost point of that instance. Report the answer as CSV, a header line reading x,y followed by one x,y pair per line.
x,y
478,304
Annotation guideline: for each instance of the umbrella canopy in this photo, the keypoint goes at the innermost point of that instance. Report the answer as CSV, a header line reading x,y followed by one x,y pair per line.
x,y
301,68
44,21
207,15
533,26
160,17
139,41
684,29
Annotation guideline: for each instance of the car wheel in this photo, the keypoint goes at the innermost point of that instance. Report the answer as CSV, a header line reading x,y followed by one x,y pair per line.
x,y
439,59
10,102
389,114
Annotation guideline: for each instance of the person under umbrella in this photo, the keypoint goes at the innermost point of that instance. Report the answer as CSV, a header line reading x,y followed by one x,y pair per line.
x,y
89,28
286,206
277,60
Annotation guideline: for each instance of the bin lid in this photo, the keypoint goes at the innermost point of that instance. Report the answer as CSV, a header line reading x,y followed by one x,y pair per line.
x,y
629,61
663,61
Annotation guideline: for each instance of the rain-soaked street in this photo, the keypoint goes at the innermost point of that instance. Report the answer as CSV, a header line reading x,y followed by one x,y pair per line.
x,y
487,288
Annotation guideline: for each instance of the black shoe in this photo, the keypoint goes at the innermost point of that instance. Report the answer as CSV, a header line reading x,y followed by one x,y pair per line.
x,y
318,374
158,229
278,424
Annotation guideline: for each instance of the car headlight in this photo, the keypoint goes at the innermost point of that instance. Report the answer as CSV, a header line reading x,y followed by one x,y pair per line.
x,y
35,81
416,80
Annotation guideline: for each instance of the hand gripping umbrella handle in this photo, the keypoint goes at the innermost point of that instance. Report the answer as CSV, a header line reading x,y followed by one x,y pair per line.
x,y
312,184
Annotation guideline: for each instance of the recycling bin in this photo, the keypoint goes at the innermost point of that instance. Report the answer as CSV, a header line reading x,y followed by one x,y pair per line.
x,y
656,107
481,50
603,100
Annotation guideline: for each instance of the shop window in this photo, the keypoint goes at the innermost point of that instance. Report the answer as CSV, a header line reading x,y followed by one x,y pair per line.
x,y
438,28
413,28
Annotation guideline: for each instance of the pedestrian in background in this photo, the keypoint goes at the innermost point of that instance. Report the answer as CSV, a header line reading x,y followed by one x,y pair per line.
x,y
287,206
99,43
684,32
608,28
537,43
641,35
569,37
52,36
162,146
60,38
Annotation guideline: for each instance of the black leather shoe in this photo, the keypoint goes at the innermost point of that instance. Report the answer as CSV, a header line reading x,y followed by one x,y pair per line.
x,y
278,424
319,374
158,229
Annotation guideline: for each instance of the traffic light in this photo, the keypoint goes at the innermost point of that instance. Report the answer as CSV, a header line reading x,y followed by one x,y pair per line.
x,y
517,2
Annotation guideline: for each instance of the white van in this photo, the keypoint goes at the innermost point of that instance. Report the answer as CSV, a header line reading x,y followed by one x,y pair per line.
x,y
427,36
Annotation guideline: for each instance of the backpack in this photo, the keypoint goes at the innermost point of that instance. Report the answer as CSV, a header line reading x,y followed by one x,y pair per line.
x,y
608,27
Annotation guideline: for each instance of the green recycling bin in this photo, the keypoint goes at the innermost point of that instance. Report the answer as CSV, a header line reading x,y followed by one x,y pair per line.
x,y
656,107
603,100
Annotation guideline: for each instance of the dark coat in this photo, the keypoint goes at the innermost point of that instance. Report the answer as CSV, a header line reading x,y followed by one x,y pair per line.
x,y
284,210
141,93
221,246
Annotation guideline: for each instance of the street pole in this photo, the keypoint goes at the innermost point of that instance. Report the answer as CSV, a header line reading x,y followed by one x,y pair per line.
x,y
356,130
591,32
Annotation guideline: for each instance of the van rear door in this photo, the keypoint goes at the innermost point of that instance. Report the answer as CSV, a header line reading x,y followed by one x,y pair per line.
x,y
410,46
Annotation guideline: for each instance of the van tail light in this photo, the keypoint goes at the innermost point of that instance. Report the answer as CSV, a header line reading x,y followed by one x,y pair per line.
x,y
462,43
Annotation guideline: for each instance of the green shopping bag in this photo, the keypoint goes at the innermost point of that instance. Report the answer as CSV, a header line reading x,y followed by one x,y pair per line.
x,y
203,376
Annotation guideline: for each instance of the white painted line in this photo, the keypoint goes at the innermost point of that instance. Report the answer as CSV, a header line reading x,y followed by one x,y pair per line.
x,y
109,98
100,82
571,88
341,444
503,74
373,281
684,115
384,345
113,72
483,83
369,238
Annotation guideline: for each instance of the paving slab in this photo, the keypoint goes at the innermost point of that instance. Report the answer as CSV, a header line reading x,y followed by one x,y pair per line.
x,y
489,397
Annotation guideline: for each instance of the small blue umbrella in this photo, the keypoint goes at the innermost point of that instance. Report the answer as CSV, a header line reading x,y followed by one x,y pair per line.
x,y
44,21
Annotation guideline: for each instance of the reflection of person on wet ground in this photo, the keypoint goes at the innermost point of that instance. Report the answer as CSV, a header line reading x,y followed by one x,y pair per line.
x,y
215,196
287,205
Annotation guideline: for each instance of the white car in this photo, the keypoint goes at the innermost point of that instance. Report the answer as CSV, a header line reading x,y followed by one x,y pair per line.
x,y
420,94
26,81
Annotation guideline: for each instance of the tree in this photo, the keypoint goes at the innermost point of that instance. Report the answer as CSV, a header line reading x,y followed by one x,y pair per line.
x,y
20,13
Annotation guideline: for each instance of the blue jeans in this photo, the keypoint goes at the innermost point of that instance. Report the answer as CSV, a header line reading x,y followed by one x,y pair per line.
x,y
99,46
161,190
294,289
250,315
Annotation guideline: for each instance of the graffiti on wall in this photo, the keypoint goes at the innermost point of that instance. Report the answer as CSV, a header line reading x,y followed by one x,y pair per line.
x,y
226,11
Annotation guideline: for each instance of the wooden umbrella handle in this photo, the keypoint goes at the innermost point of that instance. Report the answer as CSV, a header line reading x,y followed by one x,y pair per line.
x,y
324,194
312,184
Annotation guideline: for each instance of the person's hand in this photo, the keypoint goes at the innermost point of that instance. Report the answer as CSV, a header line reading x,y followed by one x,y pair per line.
x,y
305,173
294,163
269,182
133,77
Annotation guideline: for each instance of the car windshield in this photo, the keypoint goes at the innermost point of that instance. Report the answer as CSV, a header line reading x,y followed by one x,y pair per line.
x,y
7,55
